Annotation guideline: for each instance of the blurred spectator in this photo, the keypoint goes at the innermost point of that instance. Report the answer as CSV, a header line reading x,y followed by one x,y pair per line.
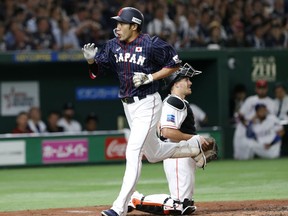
x,y
21,40
162,25
67,120
82,25
65,37
205,19
200,117
263,135
39,12
2,37
52,122
147,8
181,22
35,123
56,16
238,37
279,8
43,38
90,20
101,33
281,102
215,40
246,114
193,37
236,100
91,122
256,39
276,37
231,20
7,9
21,124
217,17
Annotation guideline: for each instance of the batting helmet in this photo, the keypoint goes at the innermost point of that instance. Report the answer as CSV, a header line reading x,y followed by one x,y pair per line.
x,y
184,71
130,15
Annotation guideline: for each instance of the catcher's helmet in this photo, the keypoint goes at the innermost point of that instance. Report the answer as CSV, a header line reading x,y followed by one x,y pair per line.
x,y
184,71
130,15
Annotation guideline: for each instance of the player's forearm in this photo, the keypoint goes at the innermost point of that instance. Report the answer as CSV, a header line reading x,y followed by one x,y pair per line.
x,y
164,72
93,69
175,135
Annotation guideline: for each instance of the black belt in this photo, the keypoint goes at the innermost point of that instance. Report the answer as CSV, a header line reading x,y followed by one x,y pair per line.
x,y
130,100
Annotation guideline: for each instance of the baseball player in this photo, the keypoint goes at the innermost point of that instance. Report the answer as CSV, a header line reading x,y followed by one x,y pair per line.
x,y
177,123
264,134
281,102
246,113
140,61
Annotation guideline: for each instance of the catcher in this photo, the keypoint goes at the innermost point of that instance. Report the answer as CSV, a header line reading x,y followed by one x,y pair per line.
x,y
176,124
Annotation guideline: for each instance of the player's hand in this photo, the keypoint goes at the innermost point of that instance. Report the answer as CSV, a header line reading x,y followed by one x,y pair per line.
x,y
140,78
267,146
89,52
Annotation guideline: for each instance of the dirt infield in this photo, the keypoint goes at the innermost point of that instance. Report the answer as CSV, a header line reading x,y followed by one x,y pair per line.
x,y
255,208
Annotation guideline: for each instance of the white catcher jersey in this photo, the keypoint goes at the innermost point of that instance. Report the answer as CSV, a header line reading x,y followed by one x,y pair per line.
x,y
267,129
180,172
171,116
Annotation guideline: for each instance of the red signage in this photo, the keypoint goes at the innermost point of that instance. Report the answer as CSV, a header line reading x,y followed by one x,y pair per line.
x,y
115,148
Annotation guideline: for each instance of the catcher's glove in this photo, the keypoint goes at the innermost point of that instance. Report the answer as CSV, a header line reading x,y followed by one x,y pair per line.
x,y
210,153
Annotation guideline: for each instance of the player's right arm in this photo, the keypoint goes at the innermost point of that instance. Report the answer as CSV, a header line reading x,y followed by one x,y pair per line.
x,y
95,60
89,52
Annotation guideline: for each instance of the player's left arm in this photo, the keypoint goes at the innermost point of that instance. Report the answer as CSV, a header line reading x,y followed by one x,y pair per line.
x,y
175,135
164,72
279,133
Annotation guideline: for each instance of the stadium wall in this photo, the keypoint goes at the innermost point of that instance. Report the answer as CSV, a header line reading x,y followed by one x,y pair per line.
x,y
64,77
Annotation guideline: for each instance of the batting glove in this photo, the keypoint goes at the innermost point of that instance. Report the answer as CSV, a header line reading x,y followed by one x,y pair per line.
x,y
89,52
140,78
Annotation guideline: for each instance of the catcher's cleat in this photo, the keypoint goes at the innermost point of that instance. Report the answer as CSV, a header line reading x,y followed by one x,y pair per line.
x,y
188,207
109,212
131,207
135,200
189,210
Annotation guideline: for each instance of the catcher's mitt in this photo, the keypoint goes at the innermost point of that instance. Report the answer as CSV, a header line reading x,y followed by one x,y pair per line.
x,y
208,155
212,152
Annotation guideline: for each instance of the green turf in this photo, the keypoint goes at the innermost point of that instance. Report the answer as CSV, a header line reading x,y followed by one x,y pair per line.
x,y
54,187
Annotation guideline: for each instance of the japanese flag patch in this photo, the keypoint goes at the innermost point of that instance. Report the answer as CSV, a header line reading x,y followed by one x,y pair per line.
x,y
138,49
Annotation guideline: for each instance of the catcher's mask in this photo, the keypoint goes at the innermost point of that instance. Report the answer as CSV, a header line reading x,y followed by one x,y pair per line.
x,y
184,71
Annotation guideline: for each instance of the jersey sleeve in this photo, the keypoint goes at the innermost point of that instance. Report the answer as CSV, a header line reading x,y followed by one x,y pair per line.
x,y
102,57
164,54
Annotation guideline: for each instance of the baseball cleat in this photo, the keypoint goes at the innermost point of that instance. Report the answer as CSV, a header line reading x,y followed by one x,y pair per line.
x,y
188,207
109,212
131,206
189,210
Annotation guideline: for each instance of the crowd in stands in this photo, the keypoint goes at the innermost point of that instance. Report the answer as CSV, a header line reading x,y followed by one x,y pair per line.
x,y
69,24
32,121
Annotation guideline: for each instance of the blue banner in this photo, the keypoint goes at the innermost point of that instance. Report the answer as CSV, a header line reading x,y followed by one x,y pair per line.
x,y
97,93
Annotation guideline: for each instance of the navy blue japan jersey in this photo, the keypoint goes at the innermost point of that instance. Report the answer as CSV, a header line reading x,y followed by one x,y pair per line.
x,y
145,54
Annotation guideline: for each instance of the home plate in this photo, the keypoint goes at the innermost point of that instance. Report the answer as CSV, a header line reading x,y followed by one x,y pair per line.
x,y
79,211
